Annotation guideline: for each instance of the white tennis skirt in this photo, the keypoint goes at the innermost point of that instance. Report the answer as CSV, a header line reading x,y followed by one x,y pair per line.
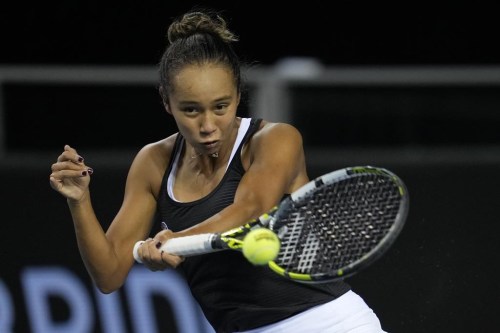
x,y
347,314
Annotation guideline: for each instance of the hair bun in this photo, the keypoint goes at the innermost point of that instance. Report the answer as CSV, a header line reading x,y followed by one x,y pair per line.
x,y
200,21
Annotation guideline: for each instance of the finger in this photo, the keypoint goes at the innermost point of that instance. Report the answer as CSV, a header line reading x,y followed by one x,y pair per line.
x,y
165,263
70,154
169,260
55,183
148,251
162,237
81,169
70,174
163,260
67,165
155,259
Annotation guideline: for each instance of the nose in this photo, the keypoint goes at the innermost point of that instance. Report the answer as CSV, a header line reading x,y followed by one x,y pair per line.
x,y
207,123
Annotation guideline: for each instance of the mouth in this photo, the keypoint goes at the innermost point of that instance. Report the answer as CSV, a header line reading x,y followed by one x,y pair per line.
x,y
211,145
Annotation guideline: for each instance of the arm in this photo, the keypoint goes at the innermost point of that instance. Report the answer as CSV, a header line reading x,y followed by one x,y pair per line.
x,y
107,255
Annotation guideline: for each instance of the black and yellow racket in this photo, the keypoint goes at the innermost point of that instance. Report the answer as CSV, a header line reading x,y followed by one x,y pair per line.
x,y
331,228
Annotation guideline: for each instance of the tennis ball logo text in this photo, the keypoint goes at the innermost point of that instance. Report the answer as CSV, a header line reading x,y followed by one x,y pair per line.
x,y
88,310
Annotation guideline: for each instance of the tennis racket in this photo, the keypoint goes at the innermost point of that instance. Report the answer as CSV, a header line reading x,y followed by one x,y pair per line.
x,y
329,229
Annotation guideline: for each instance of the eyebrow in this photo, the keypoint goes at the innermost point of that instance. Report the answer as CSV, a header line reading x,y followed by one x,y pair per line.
x,y
218,100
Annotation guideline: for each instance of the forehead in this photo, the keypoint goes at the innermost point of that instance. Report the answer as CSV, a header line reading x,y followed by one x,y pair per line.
x,y
203,77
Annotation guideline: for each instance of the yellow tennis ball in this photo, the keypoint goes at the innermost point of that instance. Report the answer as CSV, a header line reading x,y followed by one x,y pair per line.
x,y
261,246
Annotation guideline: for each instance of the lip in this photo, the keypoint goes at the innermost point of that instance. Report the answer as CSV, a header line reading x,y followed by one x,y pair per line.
x,y
211,144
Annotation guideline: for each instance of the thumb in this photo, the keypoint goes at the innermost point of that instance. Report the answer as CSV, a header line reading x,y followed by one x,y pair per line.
x,y
55,184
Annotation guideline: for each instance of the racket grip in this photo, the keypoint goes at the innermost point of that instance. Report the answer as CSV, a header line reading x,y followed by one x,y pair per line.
x,y
182,246
189,245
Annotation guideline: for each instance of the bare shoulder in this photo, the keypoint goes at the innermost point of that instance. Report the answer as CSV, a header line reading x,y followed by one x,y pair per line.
x,y
278,146
276,139
278,132
151,162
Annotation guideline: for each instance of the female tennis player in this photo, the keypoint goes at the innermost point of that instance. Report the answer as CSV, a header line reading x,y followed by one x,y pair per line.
x,y
217,172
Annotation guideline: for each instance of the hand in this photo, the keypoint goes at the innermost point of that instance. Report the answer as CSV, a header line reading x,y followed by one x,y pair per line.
x,y
70,176
155,259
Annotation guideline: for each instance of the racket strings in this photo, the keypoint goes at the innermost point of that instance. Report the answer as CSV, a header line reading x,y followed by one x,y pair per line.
x,y
339,224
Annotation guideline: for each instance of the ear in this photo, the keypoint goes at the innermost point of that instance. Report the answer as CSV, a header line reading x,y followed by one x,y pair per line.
x,y
167,108
165,102
238,99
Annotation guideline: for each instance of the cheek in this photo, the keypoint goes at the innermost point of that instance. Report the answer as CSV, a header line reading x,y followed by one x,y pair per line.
x,y
184,127
189,127
227,124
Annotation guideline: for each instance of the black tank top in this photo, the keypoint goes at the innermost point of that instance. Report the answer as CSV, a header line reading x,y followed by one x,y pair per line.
x,y
234,294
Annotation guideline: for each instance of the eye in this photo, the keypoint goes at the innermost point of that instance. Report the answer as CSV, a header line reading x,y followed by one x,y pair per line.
x,y
221,108
189,110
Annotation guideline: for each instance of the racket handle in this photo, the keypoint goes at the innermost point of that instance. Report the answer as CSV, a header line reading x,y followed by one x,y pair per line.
x,y
183,246
189,245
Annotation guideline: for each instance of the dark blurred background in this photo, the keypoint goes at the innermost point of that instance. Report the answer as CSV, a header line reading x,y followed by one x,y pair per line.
x,y
410,86
339,32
